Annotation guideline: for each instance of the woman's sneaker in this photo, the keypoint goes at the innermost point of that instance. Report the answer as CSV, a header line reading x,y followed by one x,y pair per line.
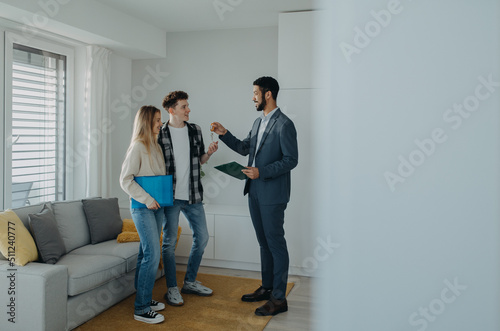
x,y
173,297
151,317
196,288
157,306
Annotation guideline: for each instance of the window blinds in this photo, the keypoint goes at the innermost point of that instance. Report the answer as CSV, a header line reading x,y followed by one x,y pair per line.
x,y
38,126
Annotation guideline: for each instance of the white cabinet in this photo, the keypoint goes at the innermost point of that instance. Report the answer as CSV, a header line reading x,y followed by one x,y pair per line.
x,y
186,239
186,230
295,46
184,247
235,239
232,238
301,88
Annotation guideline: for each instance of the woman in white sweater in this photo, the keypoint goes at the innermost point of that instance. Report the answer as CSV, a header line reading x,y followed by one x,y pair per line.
x,y
145,158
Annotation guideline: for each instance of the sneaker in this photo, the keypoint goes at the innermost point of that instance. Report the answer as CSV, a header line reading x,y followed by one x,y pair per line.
x,y
196,288
151,317
157,306
173,297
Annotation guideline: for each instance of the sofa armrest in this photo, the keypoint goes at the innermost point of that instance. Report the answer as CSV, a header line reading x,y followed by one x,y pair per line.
x,y
33,296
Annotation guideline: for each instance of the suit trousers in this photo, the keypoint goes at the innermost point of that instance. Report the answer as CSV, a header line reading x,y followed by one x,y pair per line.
x,y
268,221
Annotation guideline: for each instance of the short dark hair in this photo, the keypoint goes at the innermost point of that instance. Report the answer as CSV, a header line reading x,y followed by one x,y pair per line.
x,y
267,83
172,98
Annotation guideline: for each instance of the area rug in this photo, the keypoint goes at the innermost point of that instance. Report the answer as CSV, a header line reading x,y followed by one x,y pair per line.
x,y
224,310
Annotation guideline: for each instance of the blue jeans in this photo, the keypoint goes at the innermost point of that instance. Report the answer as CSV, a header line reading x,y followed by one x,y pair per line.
x,y
195,215
148,224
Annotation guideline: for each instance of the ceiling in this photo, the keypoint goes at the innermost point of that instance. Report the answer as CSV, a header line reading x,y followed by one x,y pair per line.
x,y
192,15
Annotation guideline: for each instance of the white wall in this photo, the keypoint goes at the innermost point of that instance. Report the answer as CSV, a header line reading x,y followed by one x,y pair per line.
x,y
400,250
297,91
217,69
90,22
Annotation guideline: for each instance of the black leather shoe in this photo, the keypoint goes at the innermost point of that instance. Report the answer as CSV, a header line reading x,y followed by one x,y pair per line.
x,y
259,295
272,307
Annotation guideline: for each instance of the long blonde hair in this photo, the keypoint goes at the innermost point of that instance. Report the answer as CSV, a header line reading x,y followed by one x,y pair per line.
x,y
143,124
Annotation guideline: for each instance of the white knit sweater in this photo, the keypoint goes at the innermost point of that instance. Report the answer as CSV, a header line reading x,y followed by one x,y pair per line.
x,y
138,163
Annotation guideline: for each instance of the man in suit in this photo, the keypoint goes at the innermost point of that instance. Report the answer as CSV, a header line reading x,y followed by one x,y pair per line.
x,y
273,153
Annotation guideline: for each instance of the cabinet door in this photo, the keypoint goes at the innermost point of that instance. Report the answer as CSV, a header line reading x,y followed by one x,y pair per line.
x,y
235,239
186,241
295,49
184,224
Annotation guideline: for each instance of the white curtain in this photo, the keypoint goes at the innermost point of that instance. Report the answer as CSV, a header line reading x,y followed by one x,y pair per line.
x,y
98,126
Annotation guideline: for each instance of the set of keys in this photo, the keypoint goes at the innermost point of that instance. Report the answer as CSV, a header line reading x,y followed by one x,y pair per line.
x,y
212,129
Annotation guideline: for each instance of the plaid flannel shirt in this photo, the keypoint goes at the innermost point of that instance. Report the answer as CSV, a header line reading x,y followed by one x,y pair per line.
x,y
197,149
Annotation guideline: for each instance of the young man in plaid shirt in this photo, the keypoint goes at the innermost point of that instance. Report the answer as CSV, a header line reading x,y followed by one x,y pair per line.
x,y
184,152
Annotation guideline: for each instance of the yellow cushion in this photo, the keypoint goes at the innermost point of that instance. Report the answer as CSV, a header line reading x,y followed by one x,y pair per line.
x,y
129,233
127,236
128,225
16,243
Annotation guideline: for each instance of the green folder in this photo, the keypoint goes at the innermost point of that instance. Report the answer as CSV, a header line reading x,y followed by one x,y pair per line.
x,y
232,169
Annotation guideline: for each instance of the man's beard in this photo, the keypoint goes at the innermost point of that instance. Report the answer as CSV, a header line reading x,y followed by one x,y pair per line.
x,y
262,105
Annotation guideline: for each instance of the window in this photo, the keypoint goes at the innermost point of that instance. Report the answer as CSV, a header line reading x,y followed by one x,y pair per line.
x,y
38,125
35,124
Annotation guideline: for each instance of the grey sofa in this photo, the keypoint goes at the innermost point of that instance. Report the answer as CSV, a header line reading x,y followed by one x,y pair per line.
x,y
85,281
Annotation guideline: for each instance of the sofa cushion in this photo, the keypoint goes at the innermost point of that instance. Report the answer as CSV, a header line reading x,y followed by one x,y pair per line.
x,y
23,212
16,243
48,240
72,223
103,218
127,251
86,272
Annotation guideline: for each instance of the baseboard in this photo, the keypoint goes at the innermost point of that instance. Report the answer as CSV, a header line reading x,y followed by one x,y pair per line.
x,y
293,270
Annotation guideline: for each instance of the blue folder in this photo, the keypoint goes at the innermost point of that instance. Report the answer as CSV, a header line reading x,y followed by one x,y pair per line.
x,y
159,187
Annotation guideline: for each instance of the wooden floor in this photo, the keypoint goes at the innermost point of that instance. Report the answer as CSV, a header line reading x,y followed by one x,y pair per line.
x,y
300,303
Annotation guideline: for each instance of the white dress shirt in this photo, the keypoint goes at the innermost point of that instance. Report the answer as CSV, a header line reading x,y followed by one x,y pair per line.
x,y
264,120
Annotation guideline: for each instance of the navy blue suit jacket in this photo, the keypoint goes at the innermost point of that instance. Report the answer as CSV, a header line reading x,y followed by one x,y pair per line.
x,y
276,156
